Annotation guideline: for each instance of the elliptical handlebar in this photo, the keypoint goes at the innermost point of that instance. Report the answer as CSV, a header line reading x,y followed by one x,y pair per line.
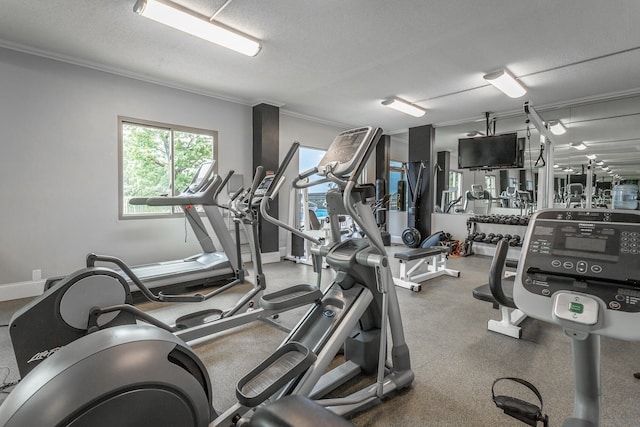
x,y
273,191
222,184
91,262
279,175
257,179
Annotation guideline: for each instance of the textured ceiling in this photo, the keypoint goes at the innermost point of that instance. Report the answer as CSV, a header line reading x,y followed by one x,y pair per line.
x,y
335,61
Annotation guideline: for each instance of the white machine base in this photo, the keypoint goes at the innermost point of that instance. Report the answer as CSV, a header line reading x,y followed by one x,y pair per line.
x,y
509,324
430,265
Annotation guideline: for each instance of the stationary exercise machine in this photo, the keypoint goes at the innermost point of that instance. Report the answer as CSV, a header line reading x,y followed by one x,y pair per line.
x,y
477,192
208,267
141,375
411,236
499,292
99,297
579,269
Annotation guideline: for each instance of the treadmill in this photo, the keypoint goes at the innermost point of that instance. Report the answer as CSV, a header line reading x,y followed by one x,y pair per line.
x,y
211,266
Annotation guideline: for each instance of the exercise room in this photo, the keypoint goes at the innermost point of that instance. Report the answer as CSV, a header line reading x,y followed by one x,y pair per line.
x,y
239,213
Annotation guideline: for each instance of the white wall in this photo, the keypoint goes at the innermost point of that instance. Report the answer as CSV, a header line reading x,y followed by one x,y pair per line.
x,y
59,164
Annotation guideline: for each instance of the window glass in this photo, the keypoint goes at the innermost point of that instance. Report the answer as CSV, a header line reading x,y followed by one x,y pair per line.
x,y
158,159
317,195
490,185
396,174
455,184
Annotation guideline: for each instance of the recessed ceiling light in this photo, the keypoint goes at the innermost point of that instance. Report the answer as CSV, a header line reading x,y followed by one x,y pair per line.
x,y
578,146
591,156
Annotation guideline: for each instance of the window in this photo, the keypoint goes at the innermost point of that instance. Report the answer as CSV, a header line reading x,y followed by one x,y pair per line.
x,y
490,185
317,195
156,159
455,184
396,174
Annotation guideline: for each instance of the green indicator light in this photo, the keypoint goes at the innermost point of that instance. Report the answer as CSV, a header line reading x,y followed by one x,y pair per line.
x,y
575,307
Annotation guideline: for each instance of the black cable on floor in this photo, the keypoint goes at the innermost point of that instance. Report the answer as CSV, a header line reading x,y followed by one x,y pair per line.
x,y
5,385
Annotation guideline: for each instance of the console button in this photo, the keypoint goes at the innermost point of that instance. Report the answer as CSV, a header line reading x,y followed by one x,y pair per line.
x,y
582,267
556,263
568,265
596,268
615,305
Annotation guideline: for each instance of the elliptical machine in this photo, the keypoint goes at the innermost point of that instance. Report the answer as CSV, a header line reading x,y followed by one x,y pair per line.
x,y
579,269
98,297
141,375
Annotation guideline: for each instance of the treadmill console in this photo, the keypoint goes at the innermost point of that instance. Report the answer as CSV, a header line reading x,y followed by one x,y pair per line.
x,y
345,151
581,269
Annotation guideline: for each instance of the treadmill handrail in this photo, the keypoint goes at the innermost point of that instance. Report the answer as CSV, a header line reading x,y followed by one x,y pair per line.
x,y
204,197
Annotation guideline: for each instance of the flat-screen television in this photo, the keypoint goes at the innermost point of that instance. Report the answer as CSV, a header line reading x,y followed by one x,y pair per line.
x,y
491,152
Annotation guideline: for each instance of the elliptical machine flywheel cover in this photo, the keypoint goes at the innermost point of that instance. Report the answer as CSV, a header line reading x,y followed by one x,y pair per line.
x,y
411,237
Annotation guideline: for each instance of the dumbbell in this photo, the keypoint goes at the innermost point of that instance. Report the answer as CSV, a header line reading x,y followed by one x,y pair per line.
x,y
489,238
479,237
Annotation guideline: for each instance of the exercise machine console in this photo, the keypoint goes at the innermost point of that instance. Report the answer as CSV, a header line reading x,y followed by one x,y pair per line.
x,y
580,270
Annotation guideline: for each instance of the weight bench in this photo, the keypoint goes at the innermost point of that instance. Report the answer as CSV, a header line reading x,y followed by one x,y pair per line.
x,y
500,293
427,263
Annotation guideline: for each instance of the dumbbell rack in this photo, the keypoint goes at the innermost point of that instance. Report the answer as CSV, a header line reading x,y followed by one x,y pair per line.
x,y
487,230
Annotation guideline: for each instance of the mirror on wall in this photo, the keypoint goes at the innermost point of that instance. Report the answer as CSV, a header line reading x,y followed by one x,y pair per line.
x,y
603,135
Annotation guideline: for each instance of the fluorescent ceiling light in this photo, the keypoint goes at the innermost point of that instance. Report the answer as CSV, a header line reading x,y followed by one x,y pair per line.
x,y
180,18
405,107
557,128
591,156
508,84
556,166
475,133
605,168
568,170
600,163
578,146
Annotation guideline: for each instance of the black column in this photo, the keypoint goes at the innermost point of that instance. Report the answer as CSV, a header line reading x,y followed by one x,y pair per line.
x,y
523,180
383,156
504,181
442,175
421,141
266,145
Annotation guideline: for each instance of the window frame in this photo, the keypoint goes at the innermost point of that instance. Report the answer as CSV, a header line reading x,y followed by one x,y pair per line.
x,y
460,177
122,120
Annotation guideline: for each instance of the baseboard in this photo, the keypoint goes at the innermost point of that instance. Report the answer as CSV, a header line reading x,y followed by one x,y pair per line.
x,y
11,291
270,257
396,239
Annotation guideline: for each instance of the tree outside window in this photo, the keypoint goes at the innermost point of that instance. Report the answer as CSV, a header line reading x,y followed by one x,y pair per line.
x,y
159,159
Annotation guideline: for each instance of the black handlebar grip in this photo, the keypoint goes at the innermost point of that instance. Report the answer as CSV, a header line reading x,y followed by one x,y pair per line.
x,y
237,193
223,183
257,177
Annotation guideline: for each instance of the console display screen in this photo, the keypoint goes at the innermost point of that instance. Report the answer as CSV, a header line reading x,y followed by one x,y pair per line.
x,y
585,244
343,148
